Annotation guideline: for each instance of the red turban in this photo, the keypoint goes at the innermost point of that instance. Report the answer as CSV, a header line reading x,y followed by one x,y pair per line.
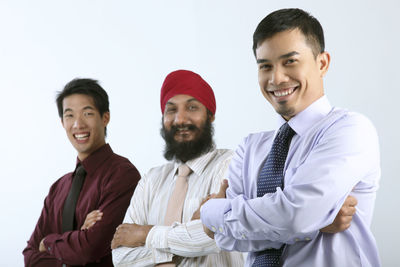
x,y
187,83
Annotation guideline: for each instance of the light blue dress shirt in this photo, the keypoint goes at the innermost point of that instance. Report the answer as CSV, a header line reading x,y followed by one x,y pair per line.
x,y
334,153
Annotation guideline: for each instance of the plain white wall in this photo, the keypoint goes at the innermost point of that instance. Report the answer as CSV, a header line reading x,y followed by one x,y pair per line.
x,y
130,46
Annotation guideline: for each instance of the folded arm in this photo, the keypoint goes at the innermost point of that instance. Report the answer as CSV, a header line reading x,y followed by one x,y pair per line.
x,y
308,203
161,243
80,247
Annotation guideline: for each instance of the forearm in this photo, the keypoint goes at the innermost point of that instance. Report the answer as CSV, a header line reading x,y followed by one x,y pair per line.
x,y
186,239
230,244
254,220
34,258
139,256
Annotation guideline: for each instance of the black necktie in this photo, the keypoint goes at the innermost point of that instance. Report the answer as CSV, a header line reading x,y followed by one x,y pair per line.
x,y
271,177
68,216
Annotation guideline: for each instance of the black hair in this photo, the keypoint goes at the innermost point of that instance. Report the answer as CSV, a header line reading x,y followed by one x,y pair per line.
x,y
88,87
289,19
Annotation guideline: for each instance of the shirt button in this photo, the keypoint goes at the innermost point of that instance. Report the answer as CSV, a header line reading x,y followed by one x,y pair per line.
x,y
49,248
213,228
307,239
297,240
243,236
221,230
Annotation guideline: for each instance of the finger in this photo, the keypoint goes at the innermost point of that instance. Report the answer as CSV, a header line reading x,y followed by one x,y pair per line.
x,y
113,244
351,201
223,187
347,211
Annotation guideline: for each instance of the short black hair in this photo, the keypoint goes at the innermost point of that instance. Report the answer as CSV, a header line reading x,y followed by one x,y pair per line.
x,y
289,19
88,87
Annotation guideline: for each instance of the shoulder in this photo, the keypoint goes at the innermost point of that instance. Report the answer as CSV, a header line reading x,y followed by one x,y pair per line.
x,y
258,137
118,169
119,162
349,122
61,183
255,140
223,154
159,171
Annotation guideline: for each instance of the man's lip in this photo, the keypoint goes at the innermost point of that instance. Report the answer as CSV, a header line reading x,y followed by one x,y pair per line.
x,y
183,131
282,92
81,136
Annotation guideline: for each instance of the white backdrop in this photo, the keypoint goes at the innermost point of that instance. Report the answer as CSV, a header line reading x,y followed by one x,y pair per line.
x,y
130,46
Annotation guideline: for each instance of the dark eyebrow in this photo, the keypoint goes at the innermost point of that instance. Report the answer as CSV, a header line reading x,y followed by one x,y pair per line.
x,y
290,54
187,101
67,110
85,108
192,100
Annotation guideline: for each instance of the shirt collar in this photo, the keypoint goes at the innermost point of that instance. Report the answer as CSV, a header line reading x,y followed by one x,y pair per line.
x,y
309,116
198,164
94,160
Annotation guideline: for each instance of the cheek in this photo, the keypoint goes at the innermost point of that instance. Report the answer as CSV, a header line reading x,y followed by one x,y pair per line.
x,y
262,79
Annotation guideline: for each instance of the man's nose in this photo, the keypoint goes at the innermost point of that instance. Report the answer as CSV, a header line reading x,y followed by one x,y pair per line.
x,y
278,76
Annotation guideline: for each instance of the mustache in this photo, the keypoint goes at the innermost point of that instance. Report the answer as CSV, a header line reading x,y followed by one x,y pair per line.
x,y
190,127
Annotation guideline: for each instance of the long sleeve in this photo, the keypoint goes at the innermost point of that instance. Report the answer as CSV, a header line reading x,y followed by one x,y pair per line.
x,y
186,239
182,239
342,157
84,246
137,213
32,256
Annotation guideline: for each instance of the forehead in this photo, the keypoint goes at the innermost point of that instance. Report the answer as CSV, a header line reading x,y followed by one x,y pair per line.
x,y
283,43
78,101
182,99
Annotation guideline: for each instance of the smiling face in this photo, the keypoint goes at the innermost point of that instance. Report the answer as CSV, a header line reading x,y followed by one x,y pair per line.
x,y
289,75
83,124
184,112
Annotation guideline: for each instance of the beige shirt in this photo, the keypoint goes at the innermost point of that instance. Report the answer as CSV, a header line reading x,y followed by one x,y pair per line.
x,y
186,239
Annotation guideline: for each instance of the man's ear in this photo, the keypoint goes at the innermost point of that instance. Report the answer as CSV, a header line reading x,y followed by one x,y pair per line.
x,y
212,118
323,60
106,118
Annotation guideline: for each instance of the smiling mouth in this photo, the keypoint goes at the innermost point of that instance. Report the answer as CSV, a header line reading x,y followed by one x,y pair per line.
x,y
82,136
283,92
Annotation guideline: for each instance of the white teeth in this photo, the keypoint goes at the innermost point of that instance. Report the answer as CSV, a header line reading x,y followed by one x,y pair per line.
x,y
183,128
81,136
283,92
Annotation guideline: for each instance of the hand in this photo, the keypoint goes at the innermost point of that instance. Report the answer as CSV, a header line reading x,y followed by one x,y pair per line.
x,y
220,194
343,218
130,235
42,248
91,219
222,190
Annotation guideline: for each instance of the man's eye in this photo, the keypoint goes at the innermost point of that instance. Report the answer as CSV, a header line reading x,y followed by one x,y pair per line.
x,y
192,107
67,115
265,67
290,61
170,110
88,114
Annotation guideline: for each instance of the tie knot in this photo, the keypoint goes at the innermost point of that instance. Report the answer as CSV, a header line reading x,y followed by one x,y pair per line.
x,y
184,170
80,171
286,131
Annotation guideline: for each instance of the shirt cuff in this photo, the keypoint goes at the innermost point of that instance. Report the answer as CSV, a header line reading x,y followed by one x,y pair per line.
x,y
157,239
49,243
212,214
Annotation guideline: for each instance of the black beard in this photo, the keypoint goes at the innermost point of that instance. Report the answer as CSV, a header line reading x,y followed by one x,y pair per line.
x,y
185,151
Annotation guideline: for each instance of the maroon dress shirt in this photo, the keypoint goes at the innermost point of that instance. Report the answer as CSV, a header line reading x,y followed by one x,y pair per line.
x,y
108,187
